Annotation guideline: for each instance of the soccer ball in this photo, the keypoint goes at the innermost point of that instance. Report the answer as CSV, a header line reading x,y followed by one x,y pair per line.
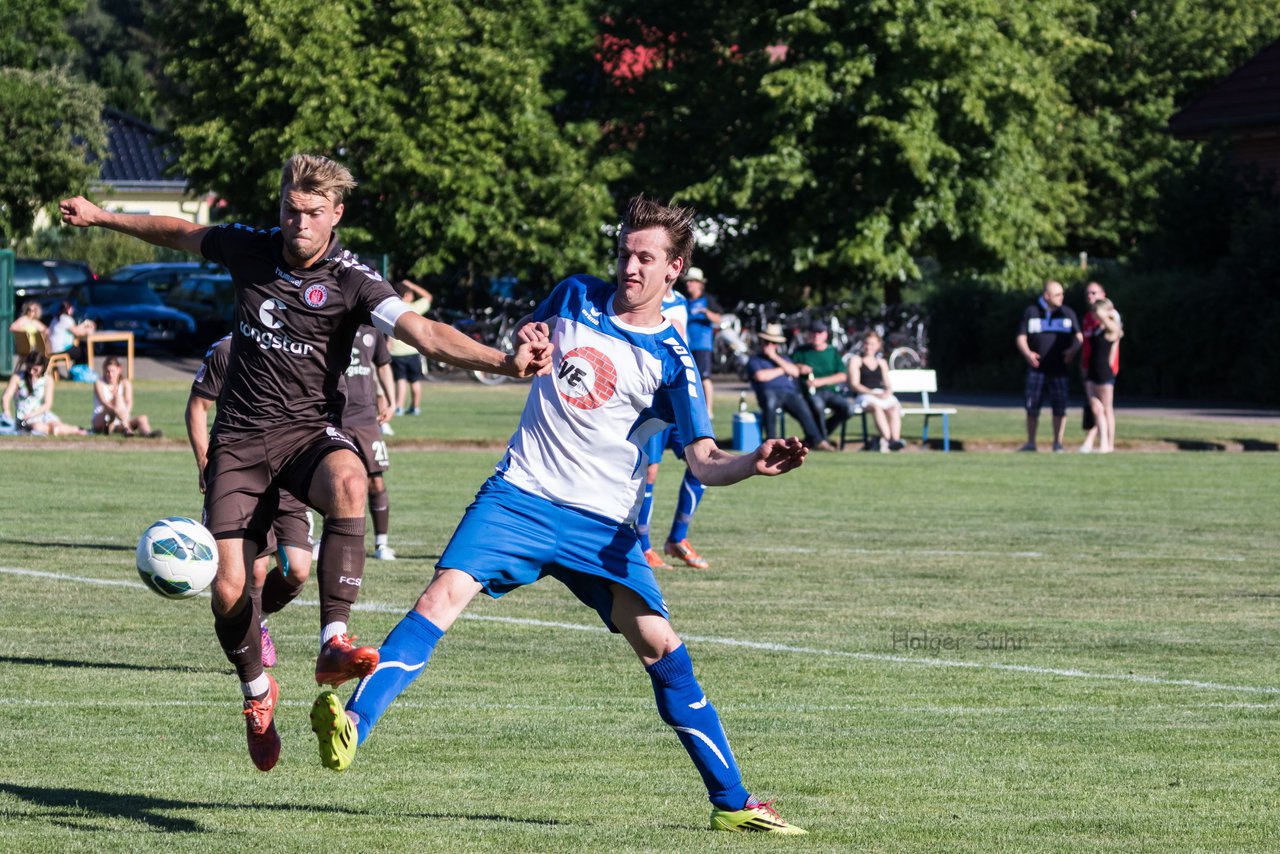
x,y
177,557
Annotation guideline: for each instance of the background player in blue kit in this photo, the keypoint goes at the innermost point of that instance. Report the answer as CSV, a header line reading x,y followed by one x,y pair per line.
x,y
675,308
563,498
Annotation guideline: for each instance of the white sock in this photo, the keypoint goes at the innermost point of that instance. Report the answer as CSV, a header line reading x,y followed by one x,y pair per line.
x,y
332,631
379,540
256,688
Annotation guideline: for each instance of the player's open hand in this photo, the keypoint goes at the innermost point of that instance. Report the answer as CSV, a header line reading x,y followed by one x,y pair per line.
x,y
779,456
79,211
533,338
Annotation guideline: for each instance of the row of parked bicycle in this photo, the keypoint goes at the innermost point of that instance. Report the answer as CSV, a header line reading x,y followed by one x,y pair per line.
x,y
902,328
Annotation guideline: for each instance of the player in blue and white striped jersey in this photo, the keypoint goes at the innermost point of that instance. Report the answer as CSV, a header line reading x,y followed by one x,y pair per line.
x,y
563,498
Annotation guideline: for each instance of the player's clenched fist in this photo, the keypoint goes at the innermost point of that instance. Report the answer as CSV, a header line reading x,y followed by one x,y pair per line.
x,y
79,211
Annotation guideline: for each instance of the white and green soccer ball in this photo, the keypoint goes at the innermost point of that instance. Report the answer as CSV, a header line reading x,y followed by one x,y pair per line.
x,y
177,557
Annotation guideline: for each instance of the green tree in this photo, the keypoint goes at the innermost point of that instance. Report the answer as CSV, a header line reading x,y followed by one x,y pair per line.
x,y
119,53
438,106
1154,56
51,119
850,139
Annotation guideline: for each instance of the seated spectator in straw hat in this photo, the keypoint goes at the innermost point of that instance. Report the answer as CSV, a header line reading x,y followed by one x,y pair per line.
x,y
776,382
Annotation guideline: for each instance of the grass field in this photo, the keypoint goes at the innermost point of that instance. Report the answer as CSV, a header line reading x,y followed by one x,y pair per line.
x,y
922,652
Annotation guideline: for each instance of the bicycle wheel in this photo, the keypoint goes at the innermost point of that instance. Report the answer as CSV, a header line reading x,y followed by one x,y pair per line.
x,y
486,378
904,358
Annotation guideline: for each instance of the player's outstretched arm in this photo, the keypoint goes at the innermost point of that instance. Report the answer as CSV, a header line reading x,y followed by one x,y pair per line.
x,y
157,230
715,467
441,341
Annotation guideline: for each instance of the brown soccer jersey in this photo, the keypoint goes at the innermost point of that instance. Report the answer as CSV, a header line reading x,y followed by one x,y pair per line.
x,y
292,330
213,370
360,384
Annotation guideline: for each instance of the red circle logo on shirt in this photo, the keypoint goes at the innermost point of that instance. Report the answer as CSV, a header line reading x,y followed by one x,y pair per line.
x,y
586,378
316,296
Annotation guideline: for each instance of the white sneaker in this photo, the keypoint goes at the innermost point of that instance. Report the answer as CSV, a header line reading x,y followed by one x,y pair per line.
x,y
384,553
386,429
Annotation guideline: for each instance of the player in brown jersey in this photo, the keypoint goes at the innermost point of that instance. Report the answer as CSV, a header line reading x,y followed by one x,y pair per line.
x,y
369,389
290,536
299,299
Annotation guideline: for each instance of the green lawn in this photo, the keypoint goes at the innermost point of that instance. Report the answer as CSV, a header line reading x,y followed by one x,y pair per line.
x,y
916,652
466,413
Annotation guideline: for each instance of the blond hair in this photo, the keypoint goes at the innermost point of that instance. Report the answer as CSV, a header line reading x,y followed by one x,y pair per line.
x,y
1107,315
311,173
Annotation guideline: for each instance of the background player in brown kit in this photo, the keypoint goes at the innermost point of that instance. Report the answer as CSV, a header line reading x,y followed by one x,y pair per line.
x,y
369,389
299,299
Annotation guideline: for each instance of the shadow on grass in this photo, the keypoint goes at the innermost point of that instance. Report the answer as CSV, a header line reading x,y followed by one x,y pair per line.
x,y
1257,445
1195,445
104,665
50,544
88,803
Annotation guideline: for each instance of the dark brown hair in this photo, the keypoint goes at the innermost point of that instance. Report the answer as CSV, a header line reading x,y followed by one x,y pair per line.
x,y
677,222
34,359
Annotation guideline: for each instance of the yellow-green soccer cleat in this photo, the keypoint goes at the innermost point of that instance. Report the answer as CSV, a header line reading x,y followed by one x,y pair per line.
x,y
335,731
753,818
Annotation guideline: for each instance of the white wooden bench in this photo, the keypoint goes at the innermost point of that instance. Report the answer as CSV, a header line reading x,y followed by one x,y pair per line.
x,y
915,381
923,383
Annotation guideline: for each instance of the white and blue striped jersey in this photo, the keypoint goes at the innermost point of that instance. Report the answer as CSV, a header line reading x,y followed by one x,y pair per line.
x,y
581,438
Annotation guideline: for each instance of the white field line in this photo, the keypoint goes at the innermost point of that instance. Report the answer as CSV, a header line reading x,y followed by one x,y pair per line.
x,y
1071,673
930,552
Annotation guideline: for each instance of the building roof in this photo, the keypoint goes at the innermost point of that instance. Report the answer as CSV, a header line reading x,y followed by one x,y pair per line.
x,y
1248,99
138,155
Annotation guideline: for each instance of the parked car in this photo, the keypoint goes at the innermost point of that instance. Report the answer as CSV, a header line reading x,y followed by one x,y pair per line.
x,y
134,307
208,299
46,280
163,276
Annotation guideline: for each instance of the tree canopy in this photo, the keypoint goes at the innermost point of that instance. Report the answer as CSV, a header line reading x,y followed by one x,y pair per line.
x,y
51,118
438,106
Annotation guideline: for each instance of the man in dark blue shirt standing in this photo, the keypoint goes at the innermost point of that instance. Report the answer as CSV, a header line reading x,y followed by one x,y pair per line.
x,y
1048,339
704,318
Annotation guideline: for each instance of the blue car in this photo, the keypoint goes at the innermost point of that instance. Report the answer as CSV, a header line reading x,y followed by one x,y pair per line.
x,y
163,276
134,307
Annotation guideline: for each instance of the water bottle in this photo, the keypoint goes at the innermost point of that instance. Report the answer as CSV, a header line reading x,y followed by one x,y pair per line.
x,y
746,429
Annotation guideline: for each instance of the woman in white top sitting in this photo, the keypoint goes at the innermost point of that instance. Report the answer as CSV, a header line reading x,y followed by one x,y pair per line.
x,y
869,379
113,403
32,391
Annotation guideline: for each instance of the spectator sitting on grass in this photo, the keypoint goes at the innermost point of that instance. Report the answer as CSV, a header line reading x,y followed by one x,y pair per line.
x,y
32,392
113,404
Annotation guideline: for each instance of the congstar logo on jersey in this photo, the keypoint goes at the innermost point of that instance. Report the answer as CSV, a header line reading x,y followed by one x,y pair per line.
x,y
269,315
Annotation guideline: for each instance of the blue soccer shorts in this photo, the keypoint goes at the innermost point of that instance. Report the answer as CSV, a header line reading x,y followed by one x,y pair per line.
x,y
509,538
660,441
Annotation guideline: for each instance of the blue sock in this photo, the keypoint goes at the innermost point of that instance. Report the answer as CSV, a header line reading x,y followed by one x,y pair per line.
x,y
642,519
402,658
686,505
686,709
